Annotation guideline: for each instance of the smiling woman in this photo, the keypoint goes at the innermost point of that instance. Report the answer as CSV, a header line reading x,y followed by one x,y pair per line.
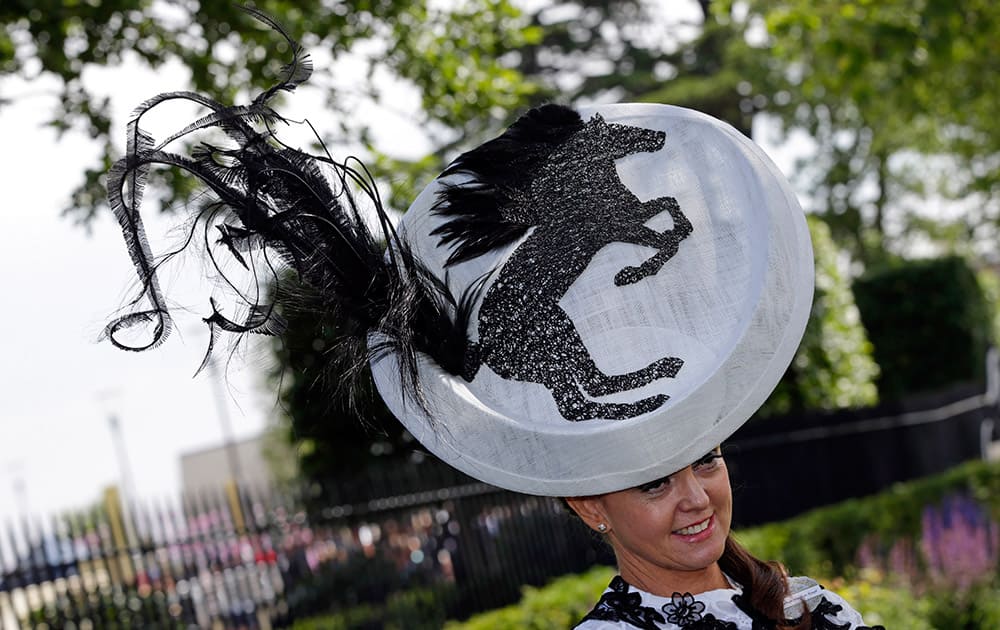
x,y
585,306
667,534
680,567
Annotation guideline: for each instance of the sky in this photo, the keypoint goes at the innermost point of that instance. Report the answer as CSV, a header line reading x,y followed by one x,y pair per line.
x,y
59,386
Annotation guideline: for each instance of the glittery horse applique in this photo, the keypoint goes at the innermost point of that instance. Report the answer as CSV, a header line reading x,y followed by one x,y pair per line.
x,y
554,174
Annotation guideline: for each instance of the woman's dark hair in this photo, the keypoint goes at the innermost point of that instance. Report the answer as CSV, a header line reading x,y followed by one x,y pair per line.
x,y
764,585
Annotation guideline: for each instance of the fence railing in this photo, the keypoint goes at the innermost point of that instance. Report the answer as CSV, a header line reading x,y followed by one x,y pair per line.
x,y
245,559
783,466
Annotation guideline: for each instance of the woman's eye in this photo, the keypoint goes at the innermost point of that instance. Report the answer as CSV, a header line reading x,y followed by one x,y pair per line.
x,y
707,462
655,486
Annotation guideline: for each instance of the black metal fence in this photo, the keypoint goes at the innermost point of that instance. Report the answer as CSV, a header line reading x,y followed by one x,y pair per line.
x,y
783,466
445,546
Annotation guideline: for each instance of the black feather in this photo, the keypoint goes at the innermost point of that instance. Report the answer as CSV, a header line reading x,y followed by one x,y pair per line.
x,y
484,211
275,205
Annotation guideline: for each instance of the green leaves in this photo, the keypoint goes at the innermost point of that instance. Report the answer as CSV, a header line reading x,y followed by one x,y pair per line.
x,y
457,59
834,366
463,61
875,82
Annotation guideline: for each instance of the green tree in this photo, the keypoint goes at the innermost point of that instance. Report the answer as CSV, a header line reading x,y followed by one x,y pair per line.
x,y
475,65
456,59
899,99
877,85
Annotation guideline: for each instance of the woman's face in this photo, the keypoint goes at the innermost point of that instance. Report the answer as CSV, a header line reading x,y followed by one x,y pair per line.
x,y
670,530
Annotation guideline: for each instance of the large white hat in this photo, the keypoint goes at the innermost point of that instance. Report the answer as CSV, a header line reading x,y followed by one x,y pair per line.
x,y
591,301
652,298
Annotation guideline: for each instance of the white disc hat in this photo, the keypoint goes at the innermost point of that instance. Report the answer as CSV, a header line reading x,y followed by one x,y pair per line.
x,y
588,302
652,282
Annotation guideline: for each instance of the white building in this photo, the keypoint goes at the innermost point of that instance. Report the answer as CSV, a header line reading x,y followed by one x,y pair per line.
x,y
257,462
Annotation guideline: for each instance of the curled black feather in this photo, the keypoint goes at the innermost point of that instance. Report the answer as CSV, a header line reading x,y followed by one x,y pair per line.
x,y
278,206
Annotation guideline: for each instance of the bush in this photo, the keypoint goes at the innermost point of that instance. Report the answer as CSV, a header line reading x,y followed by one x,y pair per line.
x,y
929,323
357,618
417,609
989,282
560,604
880,603
978,609
833,367
826,541
413,609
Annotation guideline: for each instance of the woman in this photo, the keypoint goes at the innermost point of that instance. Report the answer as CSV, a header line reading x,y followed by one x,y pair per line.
x,y
679,566
582,307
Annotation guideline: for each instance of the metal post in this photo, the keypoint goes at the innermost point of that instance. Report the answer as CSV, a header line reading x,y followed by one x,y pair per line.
x,y
124,499
991,397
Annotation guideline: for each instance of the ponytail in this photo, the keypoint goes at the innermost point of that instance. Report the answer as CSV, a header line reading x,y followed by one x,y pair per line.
x,y
764,584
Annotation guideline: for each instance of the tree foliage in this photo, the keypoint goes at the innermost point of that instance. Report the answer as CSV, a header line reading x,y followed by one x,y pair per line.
x,y
877,85
475,64
834,366
899,97
457,59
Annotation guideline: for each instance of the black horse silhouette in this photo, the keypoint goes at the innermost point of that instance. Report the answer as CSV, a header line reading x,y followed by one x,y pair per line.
x,y
554,174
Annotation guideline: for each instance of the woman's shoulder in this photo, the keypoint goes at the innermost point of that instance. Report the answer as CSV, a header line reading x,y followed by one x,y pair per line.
x,y
624,607
827,608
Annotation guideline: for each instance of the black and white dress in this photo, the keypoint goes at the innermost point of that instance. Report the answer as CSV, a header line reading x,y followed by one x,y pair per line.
x,y
624,607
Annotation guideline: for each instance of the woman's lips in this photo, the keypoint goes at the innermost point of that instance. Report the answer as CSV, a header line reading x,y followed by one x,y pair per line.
x,y
698,531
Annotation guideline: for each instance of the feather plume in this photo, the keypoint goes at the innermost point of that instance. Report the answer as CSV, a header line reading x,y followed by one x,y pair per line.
x,y
275,205
483,211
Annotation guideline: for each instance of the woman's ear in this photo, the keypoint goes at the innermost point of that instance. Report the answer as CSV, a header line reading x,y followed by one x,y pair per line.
x,y
591,511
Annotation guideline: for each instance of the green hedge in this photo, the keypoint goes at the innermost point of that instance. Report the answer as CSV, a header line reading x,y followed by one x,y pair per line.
x,y
929,323
412,609
833,367
826,541
559,604
820,543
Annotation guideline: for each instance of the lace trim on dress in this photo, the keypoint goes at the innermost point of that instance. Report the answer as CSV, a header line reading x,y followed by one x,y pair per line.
x,y
617,604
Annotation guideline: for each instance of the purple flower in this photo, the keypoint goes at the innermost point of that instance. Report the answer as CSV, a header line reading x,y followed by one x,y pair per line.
x,y
959,542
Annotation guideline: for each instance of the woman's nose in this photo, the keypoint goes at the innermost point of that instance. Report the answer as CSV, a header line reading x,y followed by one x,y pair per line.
x,y
692,494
